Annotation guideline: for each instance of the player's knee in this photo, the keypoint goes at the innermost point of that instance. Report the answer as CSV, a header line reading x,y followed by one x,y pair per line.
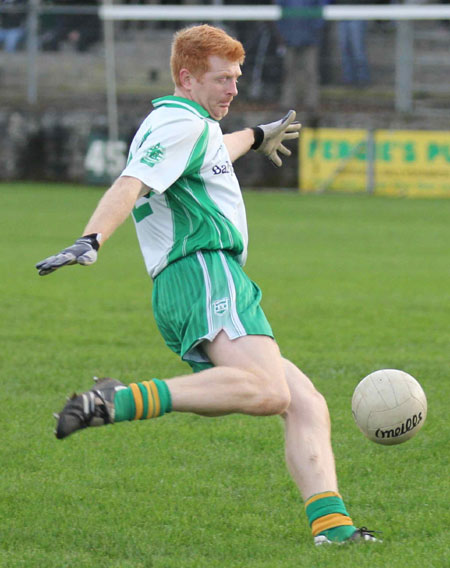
x,y
305,398
320,406
315,399
311,404
276,403
273,396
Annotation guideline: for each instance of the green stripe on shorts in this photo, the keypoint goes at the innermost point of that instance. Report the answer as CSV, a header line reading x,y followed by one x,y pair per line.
x,y
200,295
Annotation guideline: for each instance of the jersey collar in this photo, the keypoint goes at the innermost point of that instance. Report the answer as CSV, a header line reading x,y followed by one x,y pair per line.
x,y
181,102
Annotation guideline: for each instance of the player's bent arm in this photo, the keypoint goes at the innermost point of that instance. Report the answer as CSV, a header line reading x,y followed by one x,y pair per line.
x,y
267,139
115,206
239,143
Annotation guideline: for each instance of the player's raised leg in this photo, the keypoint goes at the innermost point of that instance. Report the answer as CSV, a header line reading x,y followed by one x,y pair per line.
x,y
248,378
110,401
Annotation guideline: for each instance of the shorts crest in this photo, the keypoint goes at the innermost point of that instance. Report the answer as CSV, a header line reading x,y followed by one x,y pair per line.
x,y
220,307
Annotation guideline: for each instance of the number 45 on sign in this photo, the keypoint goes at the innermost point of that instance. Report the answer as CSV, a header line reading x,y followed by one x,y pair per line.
x,y
104,160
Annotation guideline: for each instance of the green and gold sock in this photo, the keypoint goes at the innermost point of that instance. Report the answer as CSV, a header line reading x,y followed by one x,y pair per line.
x,y
140,401
327,515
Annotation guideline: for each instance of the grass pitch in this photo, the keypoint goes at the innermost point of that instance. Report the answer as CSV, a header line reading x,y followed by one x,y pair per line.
x,y
351,284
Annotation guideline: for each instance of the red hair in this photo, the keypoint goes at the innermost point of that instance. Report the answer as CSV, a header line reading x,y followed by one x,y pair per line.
x,y
192,46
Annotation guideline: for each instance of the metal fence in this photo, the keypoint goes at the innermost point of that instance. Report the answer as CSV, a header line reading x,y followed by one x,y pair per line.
x,y
81,77
62,60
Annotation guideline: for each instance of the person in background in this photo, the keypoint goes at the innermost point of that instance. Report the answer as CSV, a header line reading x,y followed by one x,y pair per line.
x,y
80,31
352,43
12,25
301,38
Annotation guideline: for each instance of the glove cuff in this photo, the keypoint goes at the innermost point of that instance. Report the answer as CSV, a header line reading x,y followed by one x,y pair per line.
x,y
259,137
94,240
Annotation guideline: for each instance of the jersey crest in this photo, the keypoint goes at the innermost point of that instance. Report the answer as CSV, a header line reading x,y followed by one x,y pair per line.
x,y
154,155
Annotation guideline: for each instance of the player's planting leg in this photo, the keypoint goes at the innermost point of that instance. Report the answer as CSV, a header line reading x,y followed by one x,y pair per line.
x,y
310,460
309,455
328,518
111,401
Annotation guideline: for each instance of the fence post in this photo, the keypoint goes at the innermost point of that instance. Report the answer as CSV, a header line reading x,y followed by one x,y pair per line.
x,y
32,51
404,60
370,164
111,87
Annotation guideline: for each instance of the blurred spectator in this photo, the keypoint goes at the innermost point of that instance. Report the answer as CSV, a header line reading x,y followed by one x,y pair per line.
x,y
352,43
262,71
12,25
80,31
301,38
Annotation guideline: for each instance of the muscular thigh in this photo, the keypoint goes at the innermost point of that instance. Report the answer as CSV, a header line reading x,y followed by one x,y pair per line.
x,y
257,354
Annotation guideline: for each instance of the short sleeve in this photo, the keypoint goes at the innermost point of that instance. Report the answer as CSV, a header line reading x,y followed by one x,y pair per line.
x,y
160,155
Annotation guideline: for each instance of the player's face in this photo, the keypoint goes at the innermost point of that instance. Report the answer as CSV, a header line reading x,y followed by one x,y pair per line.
x,y
216,88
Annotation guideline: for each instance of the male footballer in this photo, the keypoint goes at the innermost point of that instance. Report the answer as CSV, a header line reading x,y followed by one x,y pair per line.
x,y
187,206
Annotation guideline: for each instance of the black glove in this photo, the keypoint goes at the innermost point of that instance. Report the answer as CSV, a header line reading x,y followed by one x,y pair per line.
x,y
84,252
269,138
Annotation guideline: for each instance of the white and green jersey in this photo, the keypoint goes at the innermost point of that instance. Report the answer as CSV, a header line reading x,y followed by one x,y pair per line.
x,y
194,200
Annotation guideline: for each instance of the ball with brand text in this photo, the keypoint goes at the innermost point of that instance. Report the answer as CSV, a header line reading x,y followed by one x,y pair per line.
x,y
389,406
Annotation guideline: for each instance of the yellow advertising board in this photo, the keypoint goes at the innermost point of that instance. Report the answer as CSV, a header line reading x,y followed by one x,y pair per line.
x,y
406,162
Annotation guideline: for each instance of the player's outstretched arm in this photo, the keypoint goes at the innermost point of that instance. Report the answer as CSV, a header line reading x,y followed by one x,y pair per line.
x,y
269,138
265,138
112,210
83,251
239,143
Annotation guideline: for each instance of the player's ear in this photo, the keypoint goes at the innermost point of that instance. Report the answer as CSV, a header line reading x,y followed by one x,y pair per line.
x,y
185,79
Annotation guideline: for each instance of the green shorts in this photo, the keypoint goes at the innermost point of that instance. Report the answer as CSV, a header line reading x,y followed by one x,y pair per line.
x,y
198,296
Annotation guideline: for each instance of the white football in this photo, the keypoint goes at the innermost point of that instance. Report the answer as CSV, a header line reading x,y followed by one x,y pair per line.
x,y
389,406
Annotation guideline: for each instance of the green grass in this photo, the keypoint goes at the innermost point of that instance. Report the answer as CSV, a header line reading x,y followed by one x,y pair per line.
x,y
351,284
